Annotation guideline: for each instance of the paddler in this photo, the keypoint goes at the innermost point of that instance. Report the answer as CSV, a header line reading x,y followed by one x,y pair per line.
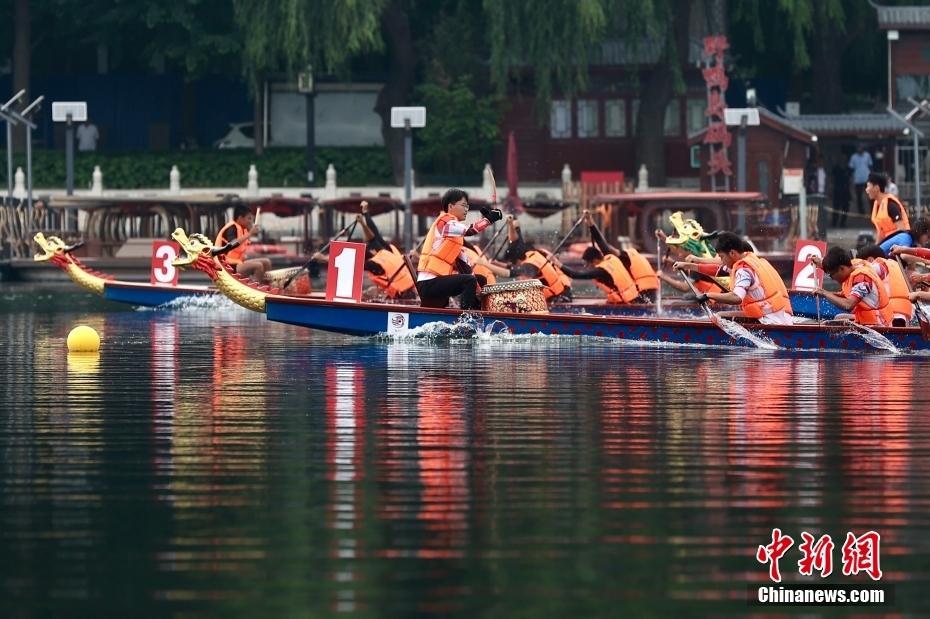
x,y
757,287
863,294
889,271
444,269
241,228
642,273
532,263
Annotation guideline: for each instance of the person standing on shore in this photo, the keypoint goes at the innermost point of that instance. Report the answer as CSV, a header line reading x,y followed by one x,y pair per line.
x,y
861,165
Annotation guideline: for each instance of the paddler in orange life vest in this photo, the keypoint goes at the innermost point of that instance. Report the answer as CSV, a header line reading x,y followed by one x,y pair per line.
x,y
863,294
384,263
889,271
889,216
240,229
532,263
624,275
444,268
755,284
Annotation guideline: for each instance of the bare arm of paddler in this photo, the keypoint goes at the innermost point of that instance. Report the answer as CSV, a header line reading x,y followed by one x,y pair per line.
x,y
743,280
860,290
595,273
920,252
373,239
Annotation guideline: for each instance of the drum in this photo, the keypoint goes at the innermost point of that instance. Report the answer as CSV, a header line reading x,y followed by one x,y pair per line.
x,y
299,285
521,297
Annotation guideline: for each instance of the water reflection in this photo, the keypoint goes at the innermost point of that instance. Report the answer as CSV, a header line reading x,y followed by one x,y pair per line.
x,y
243,468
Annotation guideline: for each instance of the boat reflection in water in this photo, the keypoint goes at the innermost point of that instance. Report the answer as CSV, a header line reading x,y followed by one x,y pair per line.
x,y
246,468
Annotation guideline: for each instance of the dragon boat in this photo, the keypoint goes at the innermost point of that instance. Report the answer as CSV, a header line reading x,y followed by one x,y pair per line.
x,y
60,254
371,319
140,294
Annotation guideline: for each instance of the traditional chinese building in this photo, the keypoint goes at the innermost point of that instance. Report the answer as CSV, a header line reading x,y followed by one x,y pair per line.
x,y
773,145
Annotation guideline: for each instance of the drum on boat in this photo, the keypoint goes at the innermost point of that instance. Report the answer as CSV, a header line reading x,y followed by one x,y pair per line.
x,y
521,297
299,285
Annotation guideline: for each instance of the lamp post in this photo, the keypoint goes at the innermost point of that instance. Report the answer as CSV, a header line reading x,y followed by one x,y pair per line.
x,y
408,118
305,86
6,113
920,108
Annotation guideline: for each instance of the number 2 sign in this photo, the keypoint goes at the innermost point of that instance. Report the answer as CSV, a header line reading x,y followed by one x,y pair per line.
x,y
345,272
163,272
806,275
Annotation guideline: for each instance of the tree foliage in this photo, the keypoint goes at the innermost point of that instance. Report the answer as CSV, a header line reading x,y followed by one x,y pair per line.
x,y
286,35
551,37
462,128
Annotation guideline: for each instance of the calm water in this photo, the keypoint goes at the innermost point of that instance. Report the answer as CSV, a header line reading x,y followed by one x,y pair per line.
x,y
209,463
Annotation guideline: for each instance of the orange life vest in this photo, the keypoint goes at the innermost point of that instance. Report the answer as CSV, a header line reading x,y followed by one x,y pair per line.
x,y
441,261
643,273
480,269
553,279
624,288
866,315
775,297
897,289
396,279
884,226
237,255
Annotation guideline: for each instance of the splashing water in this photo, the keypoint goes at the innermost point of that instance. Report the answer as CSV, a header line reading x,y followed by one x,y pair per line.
x,y
467,327
872,337
738,331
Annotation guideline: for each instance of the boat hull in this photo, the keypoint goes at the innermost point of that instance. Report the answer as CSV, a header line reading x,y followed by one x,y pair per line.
x,y
367,319
149,295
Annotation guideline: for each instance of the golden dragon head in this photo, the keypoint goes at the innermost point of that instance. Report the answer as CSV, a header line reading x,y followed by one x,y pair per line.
x,y
196,252
53,249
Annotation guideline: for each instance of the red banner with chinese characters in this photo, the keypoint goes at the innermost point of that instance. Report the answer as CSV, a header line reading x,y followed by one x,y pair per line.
x,y
717,138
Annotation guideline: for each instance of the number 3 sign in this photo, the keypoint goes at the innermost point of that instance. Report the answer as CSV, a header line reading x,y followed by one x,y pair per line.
x,y
806,275
346,272
163,272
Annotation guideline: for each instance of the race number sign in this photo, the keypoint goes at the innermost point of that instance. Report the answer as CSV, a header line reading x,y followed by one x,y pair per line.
x,y
163,272
345,272
806,275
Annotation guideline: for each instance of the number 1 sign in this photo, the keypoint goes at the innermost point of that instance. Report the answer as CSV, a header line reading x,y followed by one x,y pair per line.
x,y
806,275
346,272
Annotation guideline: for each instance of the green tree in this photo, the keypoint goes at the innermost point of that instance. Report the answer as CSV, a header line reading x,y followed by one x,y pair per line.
x,y
822,47
461,130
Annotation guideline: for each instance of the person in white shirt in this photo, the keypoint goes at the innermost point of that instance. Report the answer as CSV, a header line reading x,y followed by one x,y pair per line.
x,y
87,136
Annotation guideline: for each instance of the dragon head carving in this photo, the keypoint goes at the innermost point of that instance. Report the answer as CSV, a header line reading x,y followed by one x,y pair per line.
x,y
689,235
196,252
53,249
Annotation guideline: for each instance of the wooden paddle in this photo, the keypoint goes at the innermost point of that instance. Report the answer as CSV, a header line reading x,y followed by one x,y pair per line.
x,y
923,315
698,294
659,270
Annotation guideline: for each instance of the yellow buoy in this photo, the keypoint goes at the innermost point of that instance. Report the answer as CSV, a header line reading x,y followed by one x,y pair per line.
x,y
83,339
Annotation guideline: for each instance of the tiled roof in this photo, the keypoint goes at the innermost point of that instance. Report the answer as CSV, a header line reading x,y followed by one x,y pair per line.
x,y
646,51
903,17
848,124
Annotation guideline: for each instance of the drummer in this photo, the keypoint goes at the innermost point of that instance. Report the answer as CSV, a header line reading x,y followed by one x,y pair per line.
x,y
444,270
239,231
532,263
